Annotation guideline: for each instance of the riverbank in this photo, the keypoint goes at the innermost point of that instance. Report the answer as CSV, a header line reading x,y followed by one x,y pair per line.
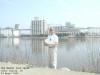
x,y
47,71
15,69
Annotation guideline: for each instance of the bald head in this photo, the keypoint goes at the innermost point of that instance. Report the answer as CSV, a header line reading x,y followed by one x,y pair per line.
x,y
51,28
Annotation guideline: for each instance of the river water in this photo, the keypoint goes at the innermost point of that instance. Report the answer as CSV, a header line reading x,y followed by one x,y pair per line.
x,y
78,54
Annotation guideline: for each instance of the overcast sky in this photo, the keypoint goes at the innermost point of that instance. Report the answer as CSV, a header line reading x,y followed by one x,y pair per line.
x,y
82,13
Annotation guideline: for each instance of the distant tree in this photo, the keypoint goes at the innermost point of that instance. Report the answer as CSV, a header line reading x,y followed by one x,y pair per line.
x,y
81,34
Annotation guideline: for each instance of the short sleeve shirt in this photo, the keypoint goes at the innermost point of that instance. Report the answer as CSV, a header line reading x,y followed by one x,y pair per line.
x,y
53,38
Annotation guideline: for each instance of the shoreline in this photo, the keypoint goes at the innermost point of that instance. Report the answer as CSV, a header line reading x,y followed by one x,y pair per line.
x,y
36,71
48,71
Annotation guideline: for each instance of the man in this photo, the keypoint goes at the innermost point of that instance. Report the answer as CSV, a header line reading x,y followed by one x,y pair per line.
x,y
52,42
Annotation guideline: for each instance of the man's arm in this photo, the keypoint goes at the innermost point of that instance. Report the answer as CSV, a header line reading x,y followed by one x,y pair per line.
x,y
53,44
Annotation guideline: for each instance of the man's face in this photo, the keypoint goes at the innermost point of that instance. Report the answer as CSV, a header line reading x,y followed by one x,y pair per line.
x,y
51,31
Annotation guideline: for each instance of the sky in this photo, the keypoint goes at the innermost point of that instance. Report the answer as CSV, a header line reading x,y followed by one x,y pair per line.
x,y
82,13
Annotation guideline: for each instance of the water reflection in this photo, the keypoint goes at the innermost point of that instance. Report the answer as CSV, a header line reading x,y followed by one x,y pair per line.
x,y
75,54
39,53
15,42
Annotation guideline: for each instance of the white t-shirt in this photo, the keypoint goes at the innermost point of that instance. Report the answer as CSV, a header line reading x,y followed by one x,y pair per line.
x,y
53,38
